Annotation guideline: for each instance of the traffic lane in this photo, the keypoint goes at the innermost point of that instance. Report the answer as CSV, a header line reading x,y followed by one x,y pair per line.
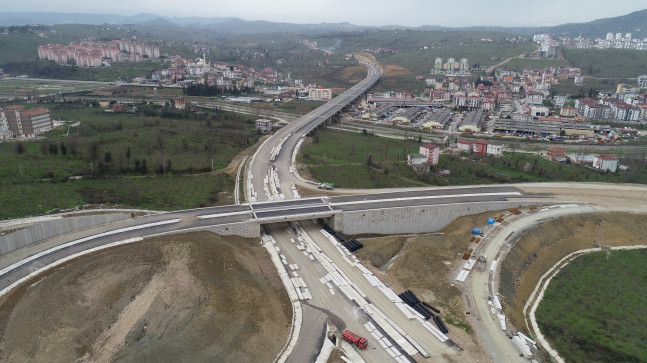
x,y
224,209
310,339
311,336
342,312
413,328
488,327
220,220
24,270
358,206
59,253
425,192
293,212
287,204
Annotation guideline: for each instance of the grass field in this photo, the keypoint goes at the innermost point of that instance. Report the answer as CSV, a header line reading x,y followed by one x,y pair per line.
x,y
298,106
518,64
154,159
594,309
608,63
342,158
29,86
165,192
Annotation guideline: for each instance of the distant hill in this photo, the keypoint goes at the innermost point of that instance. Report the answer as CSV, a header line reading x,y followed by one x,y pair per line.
x,y
635,23
47,18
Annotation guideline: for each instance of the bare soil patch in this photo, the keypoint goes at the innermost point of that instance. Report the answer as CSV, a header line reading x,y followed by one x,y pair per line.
x,y
191,297
391,70
335,356
539,248
232,167
353,74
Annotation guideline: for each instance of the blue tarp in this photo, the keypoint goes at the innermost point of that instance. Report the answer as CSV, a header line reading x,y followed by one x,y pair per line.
x,y
491,221
476,231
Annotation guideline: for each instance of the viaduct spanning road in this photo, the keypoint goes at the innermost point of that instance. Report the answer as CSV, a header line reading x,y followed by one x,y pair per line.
x,y
270,179
278,150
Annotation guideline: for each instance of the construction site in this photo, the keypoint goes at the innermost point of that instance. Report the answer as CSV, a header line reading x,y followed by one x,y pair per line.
x,y
198,296
190,297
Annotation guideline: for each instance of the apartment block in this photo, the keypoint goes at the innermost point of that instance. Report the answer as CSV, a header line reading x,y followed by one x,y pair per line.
x,y
28,122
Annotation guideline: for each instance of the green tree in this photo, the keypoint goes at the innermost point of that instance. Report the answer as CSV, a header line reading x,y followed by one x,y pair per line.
x,y
20,147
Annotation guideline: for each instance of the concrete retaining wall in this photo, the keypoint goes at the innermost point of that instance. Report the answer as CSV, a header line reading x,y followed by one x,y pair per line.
x,y
44,230
242,229
422,219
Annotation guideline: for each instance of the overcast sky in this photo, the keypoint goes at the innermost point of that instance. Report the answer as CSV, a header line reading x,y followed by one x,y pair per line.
x,y
360,12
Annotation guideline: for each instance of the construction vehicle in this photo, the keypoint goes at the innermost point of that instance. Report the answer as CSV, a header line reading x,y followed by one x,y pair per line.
x,y
480,262
355,339
327,186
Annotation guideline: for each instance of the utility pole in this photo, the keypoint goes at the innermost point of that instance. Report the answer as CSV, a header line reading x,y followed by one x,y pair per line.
x,y
211,164
92,169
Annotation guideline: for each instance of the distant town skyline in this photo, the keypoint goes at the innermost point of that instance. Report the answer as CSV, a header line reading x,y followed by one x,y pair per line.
x,y
507,13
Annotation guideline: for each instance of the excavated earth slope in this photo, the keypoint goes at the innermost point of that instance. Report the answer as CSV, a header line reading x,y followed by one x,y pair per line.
x,y
539,248
191,297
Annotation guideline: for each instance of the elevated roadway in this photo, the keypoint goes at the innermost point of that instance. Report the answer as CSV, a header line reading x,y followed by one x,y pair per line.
x,y
277,151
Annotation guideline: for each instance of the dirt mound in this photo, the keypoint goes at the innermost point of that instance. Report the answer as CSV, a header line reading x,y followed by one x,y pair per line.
x,y
391,70
539,248
379,251
192,297
353,74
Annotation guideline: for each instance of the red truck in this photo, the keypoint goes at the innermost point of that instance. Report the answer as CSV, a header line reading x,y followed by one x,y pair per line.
x,y
356,339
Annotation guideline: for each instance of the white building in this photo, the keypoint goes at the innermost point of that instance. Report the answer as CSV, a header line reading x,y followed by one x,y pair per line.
x,y
642,81
605,163
263,125
416,159
5,133
494,149
539,111
319,94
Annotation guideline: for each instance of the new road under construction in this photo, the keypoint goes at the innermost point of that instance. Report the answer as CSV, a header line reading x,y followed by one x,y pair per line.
x,y
336,301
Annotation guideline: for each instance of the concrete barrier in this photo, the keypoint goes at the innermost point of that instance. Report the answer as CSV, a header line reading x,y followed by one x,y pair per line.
x,y
48,229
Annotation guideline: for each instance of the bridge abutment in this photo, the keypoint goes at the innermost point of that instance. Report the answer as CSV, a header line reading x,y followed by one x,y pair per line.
x,y
420,219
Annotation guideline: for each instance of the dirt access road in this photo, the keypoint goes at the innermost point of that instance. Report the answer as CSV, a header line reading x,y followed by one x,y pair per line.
x,y
191,297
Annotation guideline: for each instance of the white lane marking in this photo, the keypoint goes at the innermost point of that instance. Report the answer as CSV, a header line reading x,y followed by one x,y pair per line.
x,y
207,216
426,197
59,247
63,260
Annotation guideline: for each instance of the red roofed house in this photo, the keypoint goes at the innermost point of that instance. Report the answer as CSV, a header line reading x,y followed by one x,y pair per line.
x,y
555,153
179,103
431,151
28,122
605,162
480,147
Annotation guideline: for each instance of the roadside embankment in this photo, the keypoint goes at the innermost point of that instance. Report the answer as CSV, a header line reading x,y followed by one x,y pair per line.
x,y
539,248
